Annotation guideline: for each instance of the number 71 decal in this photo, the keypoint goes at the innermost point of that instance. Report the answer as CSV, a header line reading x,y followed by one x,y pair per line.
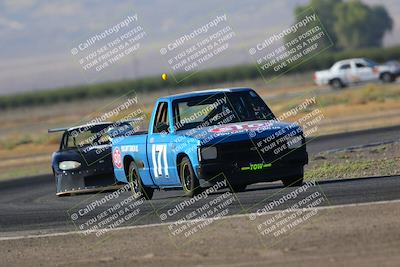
x,y
158,154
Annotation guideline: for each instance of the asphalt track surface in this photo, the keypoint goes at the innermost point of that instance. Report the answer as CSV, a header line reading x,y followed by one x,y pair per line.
x,y
29,205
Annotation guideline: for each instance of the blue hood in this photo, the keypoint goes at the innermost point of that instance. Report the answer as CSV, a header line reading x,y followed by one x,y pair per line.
x,y
240,131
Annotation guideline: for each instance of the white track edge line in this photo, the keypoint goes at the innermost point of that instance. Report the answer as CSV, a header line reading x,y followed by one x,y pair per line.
x,y
198,220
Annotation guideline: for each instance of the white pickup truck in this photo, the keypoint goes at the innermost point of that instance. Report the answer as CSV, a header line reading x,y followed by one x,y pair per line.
x,y
355,70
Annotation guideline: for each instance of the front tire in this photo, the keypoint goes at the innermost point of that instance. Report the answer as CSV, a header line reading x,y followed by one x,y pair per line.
x,y
236,188
136,184
296,180
189,181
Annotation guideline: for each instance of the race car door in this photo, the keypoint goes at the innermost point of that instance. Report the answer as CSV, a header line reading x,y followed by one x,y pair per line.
x,y
345,73
159,149
364,72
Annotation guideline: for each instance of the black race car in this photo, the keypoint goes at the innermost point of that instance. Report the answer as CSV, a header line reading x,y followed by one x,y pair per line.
x,y
83,162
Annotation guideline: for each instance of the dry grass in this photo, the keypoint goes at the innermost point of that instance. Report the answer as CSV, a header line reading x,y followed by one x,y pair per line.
x,y
369,106
24,135
363,162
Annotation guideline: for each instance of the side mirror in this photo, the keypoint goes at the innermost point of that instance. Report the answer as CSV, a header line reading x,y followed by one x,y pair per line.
x,y
162,127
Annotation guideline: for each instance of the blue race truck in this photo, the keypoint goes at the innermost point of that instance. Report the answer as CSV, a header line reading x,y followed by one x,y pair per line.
x,y
197,139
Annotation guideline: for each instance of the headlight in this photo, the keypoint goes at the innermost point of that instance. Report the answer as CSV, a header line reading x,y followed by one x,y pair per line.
x,y
294,142
208,152
69,165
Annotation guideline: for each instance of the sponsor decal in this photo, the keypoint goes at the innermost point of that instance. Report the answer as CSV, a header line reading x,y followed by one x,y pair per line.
x,y
241,127
117,159
131,148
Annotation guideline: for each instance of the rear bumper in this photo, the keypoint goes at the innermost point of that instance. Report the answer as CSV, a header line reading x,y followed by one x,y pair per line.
x,y
321,82
236,172
84,181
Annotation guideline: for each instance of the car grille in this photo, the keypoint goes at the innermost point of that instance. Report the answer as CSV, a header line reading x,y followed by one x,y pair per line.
x,y
239,151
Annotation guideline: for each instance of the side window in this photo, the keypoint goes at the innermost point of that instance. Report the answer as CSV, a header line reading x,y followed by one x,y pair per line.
x,y
345,67
161,122
360,65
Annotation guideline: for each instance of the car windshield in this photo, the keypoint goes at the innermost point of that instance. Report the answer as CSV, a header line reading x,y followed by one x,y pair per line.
x,y
220,108
370,62
88,136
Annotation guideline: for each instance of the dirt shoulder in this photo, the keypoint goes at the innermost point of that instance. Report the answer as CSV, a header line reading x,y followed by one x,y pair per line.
x,y
366,235
376,160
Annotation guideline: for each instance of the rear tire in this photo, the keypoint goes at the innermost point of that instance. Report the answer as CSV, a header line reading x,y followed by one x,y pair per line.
x,y
136,184
336,84
387,77
189,181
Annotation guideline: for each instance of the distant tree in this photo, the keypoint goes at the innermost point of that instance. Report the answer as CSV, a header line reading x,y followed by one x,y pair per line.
x,y
325,11
359,25
350,24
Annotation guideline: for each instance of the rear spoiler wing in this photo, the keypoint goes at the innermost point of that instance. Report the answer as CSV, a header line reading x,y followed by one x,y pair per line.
x,y
57,130
63,129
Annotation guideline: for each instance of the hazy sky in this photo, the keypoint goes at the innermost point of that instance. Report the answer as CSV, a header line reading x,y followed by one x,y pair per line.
x,y
36,37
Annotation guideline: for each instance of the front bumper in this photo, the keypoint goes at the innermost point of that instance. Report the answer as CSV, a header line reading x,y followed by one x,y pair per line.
x,y
81,181
396,73
238,171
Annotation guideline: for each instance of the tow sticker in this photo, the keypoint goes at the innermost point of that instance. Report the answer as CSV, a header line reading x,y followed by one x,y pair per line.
x,y
256,166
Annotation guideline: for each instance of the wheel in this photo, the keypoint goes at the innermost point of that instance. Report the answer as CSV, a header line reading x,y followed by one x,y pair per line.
x,y
387,77
296,180
189,181
136,183
336,84
292,181
235,188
